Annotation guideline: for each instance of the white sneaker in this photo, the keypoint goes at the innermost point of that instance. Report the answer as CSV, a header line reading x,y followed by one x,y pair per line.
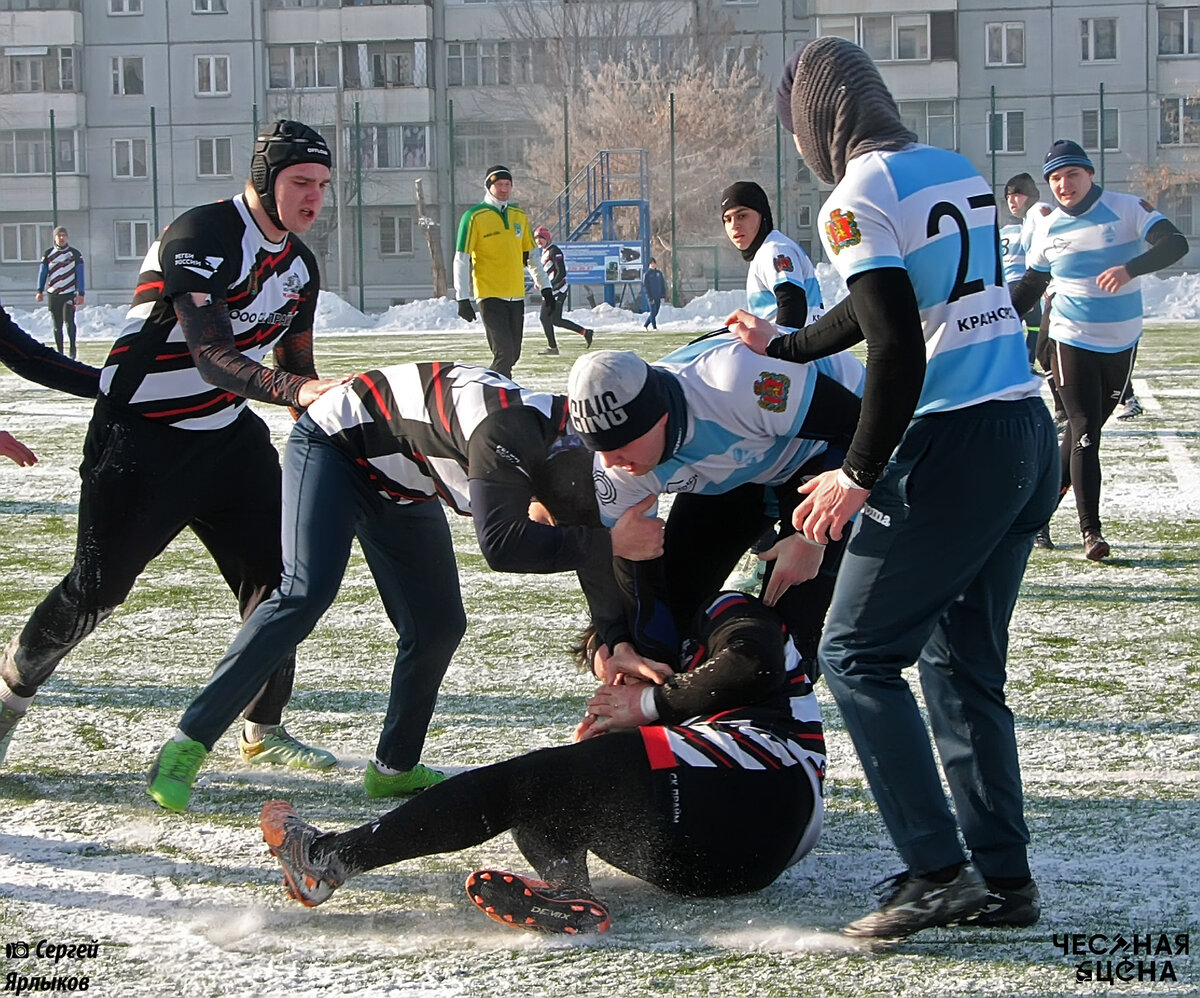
x,y
1130,410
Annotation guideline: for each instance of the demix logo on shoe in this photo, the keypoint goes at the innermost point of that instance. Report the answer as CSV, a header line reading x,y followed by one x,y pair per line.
x,y
548,911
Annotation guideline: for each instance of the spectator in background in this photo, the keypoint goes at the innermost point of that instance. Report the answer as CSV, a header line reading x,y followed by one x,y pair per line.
x,y
655,287
494,245
60,280
555,296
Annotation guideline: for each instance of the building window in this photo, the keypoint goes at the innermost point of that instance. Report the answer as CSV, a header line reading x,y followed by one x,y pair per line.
x,y
385,64
1178,204
212,76
214,157
495,64
132,239
124,6
1098,39
1090,130
479,144
128,77
804,216
1179,121
26,152
396,233
129,158
210,7
1178,30
23,242
391,147
886,37
1006,43
302,67
745,57
932,120
1007,132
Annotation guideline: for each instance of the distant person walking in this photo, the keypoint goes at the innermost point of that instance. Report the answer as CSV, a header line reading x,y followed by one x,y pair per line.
x,y
554,297
655,287
495,243
60,281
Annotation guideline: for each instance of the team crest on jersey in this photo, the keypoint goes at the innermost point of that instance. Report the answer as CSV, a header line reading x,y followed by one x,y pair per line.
x,y
517,229
842,230
292,286
783,264
772,391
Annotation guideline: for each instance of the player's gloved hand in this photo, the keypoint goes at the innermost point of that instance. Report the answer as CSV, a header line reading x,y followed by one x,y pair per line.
x,y
548,296
466,310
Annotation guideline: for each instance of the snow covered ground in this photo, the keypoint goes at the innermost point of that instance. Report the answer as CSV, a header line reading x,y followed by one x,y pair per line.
x,y
1105,684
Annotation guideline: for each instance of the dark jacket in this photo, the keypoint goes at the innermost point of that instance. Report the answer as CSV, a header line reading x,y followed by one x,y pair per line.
x,y
655,284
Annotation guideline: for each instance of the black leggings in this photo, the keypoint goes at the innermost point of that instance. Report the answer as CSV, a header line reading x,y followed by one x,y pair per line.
x,y
142,484
694,831
1090,385
62,310
551,316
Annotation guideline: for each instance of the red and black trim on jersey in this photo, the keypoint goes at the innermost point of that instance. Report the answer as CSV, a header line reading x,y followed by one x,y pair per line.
x,y
269,289
783,728
421,431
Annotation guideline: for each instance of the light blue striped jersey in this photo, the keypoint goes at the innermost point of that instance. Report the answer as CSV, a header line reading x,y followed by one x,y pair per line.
x,y
743,413
778,261
1076,249
929,211
1013,252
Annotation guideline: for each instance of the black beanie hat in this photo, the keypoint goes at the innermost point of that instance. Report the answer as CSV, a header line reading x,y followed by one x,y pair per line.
x,y
496,173
1022,183
747,194
1064,152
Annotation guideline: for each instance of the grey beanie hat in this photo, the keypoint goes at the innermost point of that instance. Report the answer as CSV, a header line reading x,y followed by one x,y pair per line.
x,y
615,397
841,108
1022,183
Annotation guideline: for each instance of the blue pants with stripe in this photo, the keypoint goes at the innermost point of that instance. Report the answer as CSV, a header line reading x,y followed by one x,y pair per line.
x,y
930,576
327,502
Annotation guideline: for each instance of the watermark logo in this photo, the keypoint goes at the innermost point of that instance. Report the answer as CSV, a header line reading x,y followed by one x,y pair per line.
x,y
53,978
1144,956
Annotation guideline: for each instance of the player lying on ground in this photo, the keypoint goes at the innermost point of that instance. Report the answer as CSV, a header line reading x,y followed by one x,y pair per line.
x,y
706,785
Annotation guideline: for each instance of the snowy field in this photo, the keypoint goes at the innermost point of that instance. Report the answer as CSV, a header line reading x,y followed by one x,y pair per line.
x,y
1105,685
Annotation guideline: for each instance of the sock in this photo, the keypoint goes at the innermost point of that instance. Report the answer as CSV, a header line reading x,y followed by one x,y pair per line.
x,y
181,736
945,874
257,732
387,770
1008,883
17,704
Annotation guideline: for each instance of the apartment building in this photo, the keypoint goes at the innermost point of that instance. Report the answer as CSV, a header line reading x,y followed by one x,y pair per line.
x,y
155,104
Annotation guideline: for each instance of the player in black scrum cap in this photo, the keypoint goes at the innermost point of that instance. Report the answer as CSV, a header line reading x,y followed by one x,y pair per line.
x,y
172,443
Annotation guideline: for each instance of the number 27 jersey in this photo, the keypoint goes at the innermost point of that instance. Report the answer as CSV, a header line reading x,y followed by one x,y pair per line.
x,y
929,211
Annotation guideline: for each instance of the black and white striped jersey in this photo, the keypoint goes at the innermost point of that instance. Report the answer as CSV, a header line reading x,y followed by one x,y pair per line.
x,y
555,267
270,290
421,431
783,728
60,266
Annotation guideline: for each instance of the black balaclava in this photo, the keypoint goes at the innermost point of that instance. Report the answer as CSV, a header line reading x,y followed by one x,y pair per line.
x,y
840,107
746,194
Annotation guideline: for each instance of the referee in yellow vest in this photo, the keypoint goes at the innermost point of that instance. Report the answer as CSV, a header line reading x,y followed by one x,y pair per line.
x,y
495,244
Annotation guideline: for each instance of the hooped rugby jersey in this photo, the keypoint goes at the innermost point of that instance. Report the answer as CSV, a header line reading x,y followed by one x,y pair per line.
x,y
1075,250
270,290
746,417
61,271
1012,250
780,261
421,430
782,730
928,211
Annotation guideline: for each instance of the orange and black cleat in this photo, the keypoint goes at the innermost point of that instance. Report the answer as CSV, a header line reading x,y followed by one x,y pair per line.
x,y
525,903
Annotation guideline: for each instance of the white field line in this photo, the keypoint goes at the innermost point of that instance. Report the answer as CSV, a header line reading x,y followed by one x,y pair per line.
x,y
1185,471
1141,388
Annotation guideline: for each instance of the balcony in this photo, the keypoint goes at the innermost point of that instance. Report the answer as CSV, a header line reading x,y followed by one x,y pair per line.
x,y
31,193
